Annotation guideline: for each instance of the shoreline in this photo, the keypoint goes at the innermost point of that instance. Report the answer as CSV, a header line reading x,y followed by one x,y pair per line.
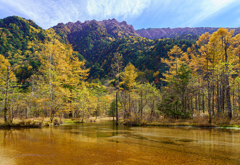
x,y
40,123
45,122
187,125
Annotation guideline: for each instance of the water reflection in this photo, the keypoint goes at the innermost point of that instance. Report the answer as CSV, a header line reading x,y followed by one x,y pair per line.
x,y
107,143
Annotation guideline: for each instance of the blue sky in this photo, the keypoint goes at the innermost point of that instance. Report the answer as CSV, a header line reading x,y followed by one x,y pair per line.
x,y
139,13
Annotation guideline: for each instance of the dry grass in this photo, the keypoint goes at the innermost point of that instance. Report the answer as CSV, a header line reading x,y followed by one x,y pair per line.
x,y
201,120
100,118
219,120
235,121
36,122
1,120
135,120
88,120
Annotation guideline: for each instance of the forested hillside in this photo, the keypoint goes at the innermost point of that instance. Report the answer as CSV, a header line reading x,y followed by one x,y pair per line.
x,y
98,41
16,34
18,37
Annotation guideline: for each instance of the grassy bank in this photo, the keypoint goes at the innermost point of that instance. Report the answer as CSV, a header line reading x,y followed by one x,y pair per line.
x,y
198,121
29,123
45,122
21,124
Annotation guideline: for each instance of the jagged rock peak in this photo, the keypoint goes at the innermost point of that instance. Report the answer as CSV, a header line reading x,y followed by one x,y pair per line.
x,y
112,26
103,22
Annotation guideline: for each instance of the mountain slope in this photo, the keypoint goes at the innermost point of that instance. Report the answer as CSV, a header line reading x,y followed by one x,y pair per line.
x,y
156,33
93,35
15,32
97,41
15,35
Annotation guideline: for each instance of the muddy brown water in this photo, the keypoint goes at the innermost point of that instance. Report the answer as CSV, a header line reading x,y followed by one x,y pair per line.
x,y
103,143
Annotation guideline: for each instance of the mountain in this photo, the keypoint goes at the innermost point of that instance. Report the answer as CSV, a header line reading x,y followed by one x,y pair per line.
x,y
156,33
107,30
111,28
93,35
97,41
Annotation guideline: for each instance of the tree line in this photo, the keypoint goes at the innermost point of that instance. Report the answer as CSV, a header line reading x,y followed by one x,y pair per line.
x,y
59,87
205,78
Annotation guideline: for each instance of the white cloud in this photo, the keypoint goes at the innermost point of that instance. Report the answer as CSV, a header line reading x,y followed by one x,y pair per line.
x,y
47,13
181,13
102,9
205,9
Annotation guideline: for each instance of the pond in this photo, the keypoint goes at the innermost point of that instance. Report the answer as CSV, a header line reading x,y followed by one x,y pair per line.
x,y
103,143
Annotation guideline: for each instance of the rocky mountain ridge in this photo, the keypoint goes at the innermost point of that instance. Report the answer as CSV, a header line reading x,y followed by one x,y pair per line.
x,y
109,27
156,33
115,29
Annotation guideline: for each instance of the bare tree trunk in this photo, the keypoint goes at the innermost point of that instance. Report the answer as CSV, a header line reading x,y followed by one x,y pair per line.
x,y
6,96
229,106
223,95
125,104
196,102
218,94
228,97
233,105
203,103
117,108
152,109
182,100
141,105
185,104
129,104
192,105
238,98
209,95
199,97
112,115
213,113
52,111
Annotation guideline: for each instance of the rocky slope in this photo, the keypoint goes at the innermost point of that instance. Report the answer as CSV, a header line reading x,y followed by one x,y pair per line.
x,y
155,33
106,28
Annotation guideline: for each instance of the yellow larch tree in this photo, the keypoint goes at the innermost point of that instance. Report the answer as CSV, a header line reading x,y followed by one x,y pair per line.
x,y
175,59
128,77
7,79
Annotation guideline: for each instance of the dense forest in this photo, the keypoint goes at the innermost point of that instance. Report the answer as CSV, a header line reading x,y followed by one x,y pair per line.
x,y
93,69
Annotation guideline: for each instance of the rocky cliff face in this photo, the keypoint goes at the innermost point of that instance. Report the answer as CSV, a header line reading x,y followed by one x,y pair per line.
x,y
107,27
114,27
